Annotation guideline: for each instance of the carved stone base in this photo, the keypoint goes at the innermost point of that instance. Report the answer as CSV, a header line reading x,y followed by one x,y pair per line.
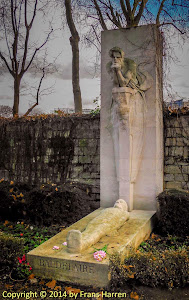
x,y
83,268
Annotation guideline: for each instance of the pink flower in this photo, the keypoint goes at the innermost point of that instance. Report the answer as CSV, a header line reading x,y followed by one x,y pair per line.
x,y
24,257
30,268
99,255
19,259
56,247
65,243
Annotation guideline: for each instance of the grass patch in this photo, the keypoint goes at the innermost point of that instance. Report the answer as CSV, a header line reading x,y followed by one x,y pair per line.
x,y
32,236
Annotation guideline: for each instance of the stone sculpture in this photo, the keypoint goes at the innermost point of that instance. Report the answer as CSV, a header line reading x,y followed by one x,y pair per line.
x,y
105,223
128,109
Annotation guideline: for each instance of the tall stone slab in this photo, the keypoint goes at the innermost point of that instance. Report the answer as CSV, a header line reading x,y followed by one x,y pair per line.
x,y
132,149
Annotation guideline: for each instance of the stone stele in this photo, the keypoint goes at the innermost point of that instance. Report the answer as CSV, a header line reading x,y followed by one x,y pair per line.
x,y
131,157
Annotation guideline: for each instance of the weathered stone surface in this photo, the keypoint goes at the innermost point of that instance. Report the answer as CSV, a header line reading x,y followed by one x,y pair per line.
x,y
180,142
173,185
181,177
143,46
176,151
186,152
172,169
169,177
185,169
168,160
48,150
82,268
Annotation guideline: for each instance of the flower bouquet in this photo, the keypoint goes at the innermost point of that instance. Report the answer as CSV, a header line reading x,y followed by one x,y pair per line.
x,y
100,254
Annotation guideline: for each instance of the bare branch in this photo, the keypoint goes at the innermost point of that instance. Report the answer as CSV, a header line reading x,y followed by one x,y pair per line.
x,y
91,42
12,16
114,19
139,15
159,12
30,109
20,10
25,14
96,35
99,13
6,63
128,7
34,14
135,4
125,12
170,23
37,96
36,50
6,35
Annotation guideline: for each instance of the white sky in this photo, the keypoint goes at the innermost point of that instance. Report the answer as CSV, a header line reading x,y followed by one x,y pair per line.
x,y
62,95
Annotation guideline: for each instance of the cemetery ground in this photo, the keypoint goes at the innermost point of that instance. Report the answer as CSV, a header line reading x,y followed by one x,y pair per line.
x,y
158,270
167,252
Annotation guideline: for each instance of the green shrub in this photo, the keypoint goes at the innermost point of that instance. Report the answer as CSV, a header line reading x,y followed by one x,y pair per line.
x,y
168,268
10,248
173,212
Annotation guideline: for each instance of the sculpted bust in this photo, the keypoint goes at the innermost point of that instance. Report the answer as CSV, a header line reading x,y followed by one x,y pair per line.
x,y
125,73
108,220
123,70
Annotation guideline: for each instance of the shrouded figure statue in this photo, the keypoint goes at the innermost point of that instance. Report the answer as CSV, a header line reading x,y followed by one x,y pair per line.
x,y
128,108
108,220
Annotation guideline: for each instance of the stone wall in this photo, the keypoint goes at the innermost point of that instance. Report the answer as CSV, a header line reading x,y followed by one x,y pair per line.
x,y
53,149
58,149
176,172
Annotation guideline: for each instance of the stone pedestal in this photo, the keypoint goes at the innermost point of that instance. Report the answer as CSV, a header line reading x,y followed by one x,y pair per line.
x,y
131,165
82,268
122,142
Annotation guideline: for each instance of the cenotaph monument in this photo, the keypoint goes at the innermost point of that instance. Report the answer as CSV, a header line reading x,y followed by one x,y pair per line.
x,y
131,160
131,163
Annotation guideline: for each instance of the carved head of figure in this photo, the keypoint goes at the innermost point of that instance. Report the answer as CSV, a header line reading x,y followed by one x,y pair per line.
x,y
121,204
117,56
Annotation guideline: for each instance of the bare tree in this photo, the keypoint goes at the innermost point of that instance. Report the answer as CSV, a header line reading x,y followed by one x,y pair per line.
x,y
20,51
74,41
112,14
127,13
172,16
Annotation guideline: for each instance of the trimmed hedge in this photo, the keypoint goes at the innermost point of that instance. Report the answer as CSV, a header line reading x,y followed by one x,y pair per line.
x,y
169,268
10,248
46,204
64,204
173,212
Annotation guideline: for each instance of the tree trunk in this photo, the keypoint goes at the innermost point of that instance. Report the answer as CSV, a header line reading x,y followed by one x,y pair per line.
x,y
16,96
74,41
